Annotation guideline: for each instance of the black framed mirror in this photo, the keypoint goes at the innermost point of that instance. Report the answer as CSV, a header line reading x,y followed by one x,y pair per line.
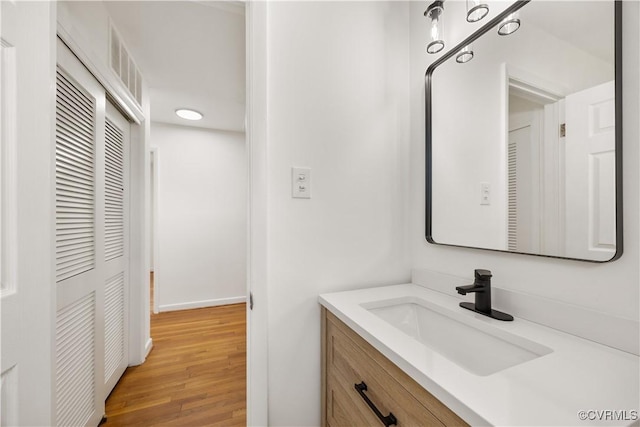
x,y
524,134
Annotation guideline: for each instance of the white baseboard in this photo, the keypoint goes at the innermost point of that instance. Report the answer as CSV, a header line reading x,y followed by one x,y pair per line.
x,y
583,322
200,304
147,348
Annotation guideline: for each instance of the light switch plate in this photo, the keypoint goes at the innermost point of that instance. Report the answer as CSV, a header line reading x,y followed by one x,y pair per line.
x,y
485,193
300,183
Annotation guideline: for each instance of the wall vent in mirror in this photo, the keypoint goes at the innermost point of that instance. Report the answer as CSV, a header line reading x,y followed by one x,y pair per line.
x,y
536,117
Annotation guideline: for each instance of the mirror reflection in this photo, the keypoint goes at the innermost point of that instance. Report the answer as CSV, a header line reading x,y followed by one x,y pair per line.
x,y
523,136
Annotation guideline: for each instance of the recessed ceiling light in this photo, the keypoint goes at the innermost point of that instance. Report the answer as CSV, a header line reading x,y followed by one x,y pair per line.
x,y
185,113
465,54
509,25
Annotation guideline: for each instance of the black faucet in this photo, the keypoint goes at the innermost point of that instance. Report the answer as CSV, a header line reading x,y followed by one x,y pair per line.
x,y
482,288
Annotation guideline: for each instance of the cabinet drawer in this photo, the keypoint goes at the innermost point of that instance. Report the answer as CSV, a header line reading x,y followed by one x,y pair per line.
x,y
351,360
343,410
349,365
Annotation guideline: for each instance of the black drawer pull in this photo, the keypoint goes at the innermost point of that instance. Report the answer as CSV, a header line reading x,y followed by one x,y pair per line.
x,y
389,420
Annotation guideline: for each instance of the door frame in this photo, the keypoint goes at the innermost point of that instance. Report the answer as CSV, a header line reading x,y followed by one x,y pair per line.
x,y
256,26
33,122
140,342
535,88
153,230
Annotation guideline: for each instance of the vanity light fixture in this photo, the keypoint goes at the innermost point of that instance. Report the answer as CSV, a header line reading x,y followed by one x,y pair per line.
x,y
188,114
476,10
465,54
436,29
510,24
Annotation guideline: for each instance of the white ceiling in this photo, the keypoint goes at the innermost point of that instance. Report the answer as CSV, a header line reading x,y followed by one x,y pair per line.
x,y
192,55
588,25
192,52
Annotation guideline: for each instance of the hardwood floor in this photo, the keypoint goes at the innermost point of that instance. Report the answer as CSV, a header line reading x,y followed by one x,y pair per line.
x,y
194,376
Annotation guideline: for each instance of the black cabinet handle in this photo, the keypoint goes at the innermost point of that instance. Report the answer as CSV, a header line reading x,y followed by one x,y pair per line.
x,y
389,420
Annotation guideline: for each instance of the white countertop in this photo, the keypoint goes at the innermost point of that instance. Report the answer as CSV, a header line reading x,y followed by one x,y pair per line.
x,y
579,375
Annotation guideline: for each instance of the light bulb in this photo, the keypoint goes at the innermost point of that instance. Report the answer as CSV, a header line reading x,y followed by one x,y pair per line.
x,y
434,30
434,14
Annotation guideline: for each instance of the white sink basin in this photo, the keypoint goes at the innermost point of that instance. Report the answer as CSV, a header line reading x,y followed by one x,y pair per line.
x,y
475,345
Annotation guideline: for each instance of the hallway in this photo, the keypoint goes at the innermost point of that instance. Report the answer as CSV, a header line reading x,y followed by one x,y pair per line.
x,y
195,375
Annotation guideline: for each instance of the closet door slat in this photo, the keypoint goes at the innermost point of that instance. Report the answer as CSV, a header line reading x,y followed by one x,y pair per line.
x,y
75,178
114,192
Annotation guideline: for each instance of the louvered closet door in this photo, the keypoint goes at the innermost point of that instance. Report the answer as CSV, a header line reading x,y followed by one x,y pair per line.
x,y
91,246
116,253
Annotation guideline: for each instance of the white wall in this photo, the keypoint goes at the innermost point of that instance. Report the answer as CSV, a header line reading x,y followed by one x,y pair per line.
x,y
89,19
84,28
201,216
610,288
338,103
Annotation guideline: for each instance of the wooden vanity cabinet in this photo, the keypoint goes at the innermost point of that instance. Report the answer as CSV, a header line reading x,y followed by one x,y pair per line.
x,y
347,360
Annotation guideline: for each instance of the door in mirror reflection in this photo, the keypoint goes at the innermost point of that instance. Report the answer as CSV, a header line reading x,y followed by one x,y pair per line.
x,y
522,139
550,139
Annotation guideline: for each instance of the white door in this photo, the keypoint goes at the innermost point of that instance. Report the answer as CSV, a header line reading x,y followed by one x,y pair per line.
x,y
92,141
80,108
26,209
116,226
590,173
524,190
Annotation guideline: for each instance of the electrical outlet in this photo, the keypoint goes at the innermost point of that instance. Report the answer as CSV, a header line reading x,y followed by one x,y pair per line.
x,y
485,193
300,183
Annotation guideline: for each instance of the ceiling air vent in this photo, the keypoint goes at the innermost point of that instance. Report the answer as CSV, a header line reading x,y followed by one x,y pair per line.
x,y
124,67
